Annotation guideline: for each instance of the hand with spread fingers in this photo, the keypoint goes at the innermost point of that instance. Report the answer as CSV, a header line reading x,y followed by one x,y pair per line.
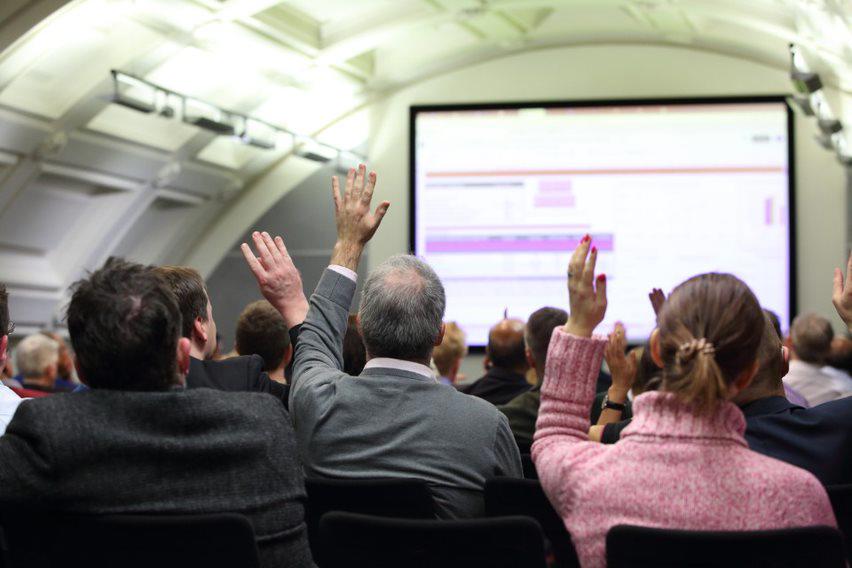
x,y
356,224
657,300
587,294
842,296
622,366
277,276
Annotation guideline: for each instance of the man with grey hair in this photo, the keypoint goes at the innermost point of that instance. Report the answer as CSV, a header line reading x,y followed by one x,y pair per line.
x,y
395,419
37,358
809,344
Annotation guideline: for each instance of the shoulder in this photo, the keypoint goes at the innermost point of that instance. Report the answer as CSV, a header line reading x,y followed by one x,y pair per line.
x,y
244,369
472,408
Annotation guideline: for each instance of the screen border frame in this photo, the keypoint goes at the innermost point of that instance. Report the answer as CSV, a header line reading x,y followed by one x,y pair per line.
x,y
414,110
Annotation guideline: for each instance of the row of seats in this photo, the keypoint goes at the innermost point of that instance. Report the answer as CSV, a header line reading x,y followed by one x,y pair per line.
x,y
384,523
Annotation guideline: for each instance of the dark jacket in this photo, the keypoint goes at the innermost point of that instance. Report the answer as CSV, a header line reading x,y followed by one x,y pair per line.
x,y
178,452
816,439
237,374
498,386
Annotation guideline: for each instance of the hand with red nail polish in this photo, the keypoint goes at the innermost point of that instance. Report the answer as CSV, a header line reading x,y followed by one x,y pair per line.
x,y
586,293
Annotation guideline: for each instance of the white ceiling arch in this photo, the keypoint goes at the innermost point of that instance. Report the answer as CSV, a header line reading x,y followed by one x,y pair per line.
x,y
124,182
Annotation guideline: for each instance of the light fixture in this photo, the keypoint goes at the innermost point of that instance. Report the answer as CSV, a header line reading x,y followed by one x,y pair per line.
x,y
144,96
804,80
133,93
804,104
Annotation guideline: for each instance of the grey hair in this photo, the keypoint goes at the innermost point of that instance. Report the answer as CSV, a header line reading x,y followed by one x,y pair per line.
x,y
35,353
402,308
811,337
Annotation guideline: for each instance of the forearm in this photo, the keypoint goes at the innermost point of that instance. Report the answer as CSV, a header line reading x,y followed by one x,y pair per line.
x,y
347,253
610,415
562,430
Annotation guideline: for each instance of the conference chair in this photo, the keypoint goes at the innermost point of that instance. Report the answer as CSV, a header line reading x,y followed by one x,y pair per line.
x,y
643,547
131,541
506,496
404,498
841,501
362,541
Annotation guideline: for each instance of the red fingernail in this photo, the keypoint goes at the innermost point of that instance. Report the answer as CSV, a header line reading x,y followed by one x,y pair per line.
x,y
594,250
602,277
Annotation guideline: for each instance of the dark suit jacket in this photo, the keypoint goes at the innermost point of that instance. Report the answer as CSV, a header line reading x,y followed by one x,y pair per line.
x,y
818,439
498,386
180,451
235,374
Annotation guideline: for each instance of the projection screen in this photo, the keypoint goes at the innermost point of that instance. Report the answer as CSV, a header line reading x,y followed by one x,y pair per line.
x,y
501,195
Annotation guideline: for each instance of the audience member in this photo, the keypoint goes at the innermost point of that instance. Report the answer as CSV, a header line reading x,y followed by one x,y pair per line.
x,y
9,400
810,343
505,363
839,363
37,359
354,352
65,375
683,462
792,394
137,442
522,411
394,420
448,356
233,374
261,331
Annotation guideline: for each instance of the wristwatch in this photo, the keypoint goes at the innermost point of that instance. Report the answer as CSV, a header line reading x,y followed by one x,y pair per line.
x,y
607,403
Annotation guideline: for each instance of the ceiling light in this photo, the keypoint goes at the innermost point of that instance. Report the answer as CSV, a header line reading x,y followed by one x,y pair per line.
x,y
133,93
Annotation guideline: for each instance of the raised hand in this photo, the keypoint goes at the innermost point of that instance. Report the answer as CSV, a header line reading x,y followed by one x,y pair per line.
x,y
657,300
622,366
277,276
356,224
587,294
842,296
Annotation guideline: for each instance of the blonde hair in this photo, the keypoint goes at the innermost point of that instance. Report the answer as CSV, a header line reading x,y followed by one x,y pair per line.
x,y
35,353
452,348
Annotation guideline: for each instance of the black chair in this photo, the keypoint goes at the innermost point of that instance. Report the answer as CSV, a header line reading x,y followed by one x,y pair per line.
x,y
528,466
841,501
404,498
505,497
361,541
130,541
641,547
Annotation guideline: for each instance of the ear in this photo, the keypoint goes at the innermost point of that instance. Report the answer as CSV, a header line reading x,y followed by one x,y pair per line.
x,y
80,374
183,347
288,355
440,338
654,343
529,357
4,350
199,331
785,362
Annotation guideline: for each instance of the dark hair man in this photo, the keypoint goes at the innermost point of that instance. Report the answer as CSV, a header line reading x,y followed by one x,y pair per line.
x,y
395,419
233,374
261,331
522,411
97,452
9,400
505,365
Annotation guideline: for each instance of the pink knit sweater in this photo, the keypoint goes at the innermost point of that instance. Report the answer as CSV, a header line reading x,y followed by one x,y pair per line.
x,y
671,469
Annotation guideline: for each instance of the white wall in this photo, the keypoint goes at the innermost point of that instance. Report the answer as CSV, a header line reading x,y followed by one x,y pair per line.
x,y
623,71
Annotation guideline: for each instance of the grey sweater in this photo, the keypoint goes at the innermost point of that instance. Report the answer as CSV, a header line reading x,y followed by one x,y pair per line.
x,y
179,452
388,422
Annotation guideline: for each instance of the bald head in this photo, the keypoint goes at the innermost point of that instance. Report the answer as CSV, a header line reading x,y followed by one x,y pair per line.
x,y
506,347
810,337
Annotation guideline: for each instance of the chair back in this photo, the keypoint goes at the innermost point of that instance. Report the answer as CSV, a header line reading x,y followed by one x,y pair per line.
x,y
130,541
644,547
841,501
506,496
362,541
403,498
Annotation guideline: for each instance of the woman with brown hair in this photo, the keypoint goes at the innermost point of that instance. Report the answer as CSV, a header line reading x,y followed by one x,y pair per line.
x,y
683,462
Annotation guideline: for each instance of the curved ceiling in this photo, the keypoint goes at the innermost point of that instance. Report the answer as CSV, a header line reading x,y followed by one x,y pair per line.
x,y
82,178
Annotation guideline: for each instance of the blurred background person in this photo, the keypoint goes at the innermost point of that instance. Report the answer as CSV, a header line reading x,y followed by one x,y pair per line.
x,y
448,356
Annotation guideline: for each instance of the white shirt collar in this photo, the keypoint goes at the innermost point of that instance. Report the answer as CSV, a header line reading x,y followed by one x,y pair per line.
x,y
399,364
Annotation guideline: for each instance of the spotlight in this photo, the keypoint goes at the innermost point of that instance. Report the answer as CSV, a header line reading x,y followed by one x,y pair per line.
x,y
207,116
133,93
804,104
258,134
312,150
829,126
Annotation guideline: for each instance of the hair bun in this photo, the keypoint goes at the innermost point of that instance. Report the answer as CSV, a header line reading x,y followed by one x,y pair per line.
x,y
689,350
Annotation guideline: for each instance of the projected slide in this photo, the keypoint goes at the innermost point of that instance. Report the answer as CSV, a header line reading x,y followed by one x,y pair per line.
x,y
501,198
